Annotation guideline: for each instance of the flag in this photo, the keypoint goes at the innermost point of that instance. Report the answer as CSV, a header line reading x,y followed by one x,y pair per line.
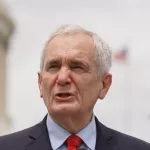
x,y
121,55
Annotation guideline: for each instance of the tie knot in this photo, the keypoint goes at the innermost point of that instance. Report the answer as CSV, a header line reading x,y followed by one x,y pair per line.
x,y
73,142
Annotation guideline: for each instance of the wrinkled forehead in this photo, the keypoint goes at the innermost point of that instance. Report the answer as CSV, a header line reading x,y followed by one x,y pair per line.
x,y
72,44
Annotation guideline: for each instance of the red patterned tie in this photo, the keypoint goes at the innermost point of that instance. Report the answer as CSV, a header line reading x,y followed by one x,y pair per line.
x,y
73,142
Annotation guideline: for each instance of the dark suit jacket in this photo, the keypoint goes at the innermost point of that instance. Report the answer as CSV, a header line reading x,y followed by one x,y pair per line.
x,y
36,138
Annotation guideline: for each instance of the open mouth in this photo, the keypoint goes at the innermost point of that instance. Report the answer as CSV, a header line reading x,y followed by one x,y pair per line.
x,y
64,96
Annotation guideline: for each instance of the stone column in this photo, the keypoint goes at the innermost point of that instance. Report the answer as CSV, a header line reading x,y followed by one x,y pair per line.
x,y
6,29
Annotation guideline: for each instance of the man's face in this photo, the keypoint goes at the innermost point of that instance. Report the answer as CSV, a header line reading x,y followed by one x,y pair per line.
x,y
69,83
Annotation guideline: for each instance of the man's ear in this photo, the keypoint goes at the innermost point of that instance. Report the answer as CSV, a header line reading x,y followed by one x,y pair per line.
x,y
40,83
105,85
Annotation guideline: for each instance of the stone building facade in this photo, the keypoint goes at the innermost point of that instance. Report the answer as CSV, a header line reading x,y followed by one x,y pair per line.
x,y
6,30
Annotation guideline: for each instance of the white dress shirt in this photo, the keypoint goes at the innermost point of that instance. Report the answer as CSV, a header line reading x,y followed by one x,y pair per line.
x,y
58,135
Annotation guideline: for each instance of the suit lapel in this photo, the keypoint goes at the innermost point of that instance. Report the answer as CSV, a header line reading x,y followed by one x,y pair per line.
x,y
104,139
39,139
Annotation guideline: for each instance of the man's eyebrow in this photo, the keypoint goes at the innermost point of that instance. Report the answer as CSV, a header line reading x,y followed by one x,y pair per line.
x,y
53,62
72,62
79,62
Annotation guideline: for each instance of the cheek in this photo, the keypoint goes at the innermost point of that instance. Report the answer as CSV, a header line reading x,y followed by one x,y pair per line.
x,y
47,91
83,85
88,81
48,83
89,88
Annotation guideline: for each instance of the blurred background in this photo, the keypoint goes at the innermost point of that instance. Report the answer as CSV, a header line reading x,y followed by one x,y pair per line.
x,y
124,25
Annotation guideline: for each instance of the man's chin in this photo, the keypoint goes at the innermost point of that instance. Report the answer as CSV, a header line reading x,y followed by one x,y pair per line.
x,y
65,110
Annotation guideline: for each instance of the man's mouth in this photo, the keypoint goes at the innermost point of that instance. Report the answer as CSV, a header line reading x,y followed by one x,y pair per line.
x,y
64,96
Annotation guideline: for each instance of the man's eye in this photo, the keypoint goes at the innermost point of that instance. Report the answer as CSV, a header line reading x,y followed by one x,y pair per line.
x,y
53,67
76,67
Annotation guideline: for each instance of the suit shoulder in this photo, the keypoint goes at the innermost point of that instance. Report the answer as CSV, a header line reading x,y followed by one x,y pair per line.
x,y
16,139
21,139
121,141
15,136
129,142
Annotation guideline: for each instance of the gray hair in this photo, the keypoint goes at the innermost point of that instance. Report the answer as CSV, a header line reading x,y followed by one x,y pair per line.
x,y
102,50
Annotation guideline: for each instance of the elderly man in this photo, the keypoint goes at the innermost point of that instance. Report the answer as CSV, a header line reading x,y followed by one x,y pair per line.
x,y
74,74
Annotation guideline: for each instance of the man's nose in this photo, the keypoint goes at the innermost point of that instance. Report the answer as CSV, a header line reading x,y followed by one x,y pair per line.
x,y
64,77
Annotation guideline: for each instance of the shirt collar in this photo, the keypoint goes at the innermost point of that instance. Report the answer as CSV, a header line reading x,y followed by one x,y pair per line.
x,y
88,134
58,135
